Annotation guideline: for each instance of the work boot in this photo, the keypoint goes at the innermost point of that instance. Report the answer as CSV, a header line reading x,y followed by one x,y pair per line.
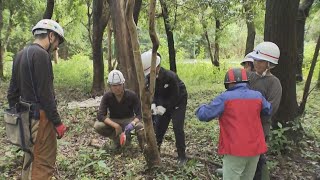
x,y
115,146
182,159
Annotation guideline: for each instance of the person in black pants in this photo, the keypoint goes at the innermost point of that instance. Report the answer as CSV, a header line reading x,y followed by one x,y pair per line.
x,y
170,101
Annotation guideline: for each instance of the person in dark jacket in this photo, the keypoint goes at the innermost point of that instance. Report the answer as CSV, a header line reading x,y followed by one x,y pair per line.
x,y
124,109
241,138
32,82
170,101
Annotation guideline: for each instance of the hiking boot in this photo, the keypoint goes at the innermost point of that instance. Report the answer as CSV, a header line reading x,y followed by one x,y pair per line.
x,y
182,159
115,145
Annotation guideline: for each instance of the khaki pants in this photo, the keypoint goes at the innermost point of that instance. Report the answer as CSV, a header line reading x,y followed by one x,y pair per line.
x,y
44,150
108,131
239,168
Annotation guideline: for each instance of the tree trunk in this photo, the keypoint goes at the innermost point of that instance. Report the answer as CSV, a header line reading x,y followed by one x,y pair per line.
x,y
49,10
109,31
251,33
124,53
308,82
170,39
136,11
216,43
209,45
1,46
303,13
318,83
100,21
280,23
48,15
89,15
150,150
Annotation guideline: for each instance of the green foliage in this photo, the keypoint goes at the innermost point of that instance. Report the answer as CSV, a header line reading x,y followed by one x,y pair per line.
x,y
201,54
74,73
278,141
202,75
309,48
85,162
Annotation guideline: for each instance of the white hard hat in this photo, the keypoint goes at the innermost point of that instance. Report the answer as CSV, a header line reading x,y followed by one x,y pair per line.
x,y
266,51
48,24
146,61
246,59
115,77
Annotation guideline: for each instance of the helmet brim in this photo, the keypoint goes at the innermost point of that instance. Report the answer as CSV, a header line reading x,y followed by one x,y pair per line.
x,y
258,57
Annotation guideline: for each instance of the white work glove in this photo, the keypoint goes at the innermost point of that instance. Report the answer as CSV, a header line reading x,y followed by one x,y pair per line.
x,y
160,110
153,109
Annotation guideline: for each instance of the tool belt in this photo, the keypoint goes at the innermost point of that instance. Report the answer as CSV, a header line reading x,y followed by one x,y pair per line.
x,y
18,124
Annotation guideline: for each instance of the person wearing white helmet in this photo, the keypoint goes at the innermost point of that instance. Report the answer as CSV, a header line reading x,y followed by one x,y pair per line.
x,y
32,83
266,56
119,111
247,64
170,101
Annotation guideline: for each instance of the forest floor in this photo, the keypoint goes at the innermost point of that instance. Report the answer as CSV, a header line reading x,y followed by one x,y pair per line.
x,y
82,153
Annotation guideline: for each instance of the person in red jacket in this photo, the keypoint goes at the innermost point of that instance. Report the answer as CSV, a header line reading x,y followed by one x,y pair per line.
x,y
241,138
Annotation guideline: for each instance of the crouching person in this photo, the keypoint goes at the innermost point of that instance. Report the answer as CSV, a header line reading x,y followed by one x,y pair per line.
x,y
124,110
241,138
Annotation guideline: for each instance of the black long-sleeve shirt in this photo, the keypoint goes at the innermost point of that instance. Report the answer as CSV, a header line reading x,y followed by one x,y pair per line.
x,y
32,80
129,106
169,89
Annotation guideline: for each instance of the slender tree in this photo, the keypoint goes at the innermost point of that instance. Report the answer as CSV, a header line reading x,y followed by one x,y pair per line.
x,y
251,33
309,78
150,149
206,35
280,23
109,45
136,11
89,24
318,82
303,13
169,32
49,10
1,46
100,20
216,43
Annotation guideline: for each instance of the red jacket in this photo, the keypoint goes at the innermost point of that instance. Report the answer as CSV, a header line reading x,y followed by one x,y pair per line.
x,y
241,132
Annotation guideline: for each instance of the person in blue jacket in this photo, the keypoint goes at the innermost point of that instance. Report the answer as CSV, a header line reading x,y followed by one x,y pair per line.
x,y
241,138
